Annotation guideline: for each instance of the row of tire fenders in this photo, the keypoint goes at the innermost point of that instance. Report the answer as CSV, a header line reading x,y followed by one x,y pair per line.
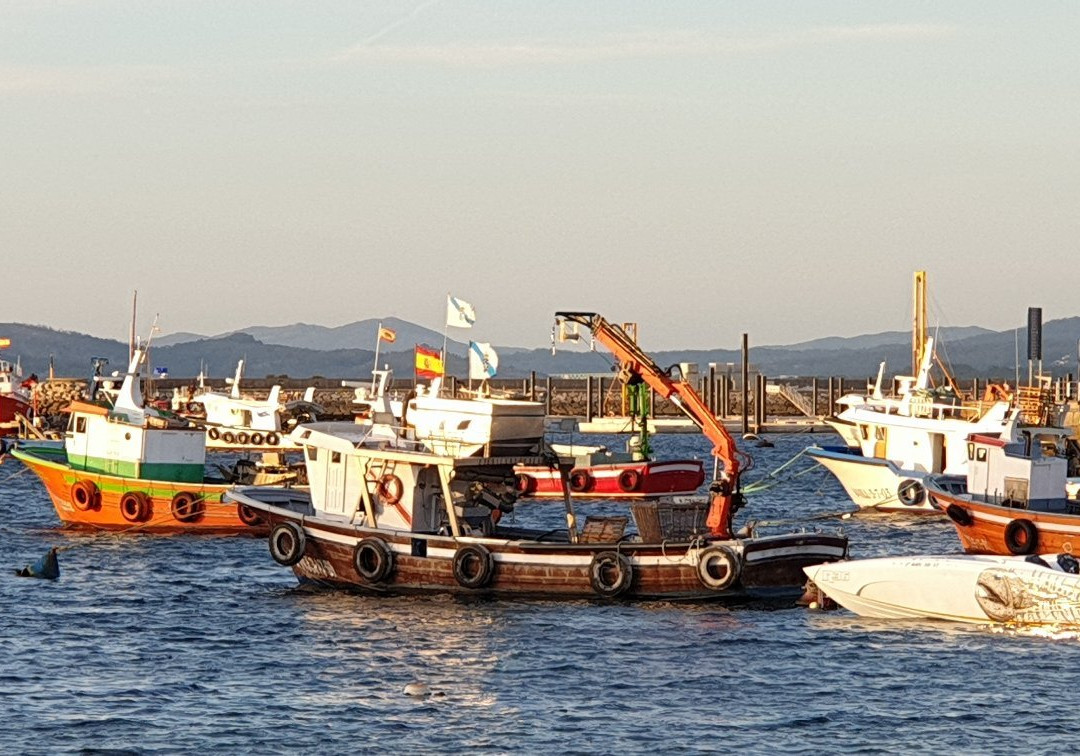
x,y
137,507
243,437
610,572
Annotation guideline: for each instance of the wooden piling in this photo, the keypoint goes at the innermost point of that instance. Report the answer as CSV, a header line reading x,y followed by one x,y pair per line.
x,y
745,383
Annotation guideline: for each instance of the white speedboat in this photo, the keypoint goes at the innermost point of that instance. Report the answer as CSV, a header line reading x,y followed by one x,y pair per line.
x,y
978,589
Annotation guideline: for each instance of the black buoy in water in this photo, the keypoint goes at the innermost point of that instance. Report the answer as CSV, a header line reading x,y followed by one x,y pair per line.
x,y
46,568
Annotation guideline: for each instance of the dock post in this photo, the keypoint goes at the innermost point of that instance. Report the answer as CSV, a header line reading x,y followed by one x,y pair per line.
x,y
745,383
652,403
712,389
759,404
829,407
813,391
547,396
839,386
725,398
600,396
588,398
975,389
532,386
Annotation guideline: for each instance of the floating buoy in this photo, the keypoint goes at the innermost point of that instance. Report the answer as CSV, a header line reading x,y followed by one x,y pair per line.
x,y
46,568
815,605
417,689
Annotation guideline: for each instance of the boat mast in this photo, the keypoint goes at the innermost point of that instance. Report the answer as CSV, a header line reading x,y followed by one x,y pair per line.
x,y
918,334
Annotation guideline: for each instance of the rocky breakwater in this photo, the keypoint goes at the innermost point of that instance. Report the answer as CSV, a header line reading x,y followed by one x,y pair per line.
x,y
52,397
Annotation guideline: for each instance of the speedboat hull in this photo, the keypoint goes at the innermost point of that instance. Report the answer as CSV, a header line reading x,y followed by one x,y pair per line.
x,y
974,589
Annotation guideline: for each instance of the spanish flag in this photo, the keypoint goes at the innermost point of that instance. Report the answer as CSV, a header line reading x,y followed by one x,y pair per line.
x,y
5,342
429,363
385,334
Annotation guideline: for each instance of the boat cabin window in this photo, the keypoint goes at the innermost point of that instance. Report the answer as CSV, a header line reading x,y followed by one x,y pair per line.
x,y
335,456
864,430
312,453
80,424
879,432
971,451
981,454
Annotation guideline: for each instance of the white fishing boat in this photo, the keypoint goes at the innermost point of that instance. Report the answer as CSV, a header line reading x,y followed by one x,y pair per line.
x,y
234,422
892,442
16,399
977,589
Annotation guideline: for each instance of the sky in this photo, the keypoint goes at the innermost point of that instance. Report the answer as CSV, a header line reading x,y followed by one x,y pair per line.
x,y
704,169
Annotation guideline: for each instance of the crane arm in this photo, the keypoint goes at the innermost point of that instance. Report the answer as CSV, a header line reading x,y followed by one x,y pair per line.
x,y
635,362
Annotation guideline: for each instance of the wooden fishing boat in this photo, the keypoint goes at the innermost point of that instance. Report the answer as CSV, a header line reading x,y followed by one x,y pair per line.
x,y
1014,499
979,589
133,467
395,518
394,515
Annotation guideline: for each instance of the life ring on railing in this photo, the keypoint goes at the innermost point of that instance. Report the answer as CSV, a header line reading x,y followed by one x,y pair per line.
x,y
257,438
242,437
373,560
959,515
85,495
214,434
610,573
187,507
390,488
248,516
629,480
473,566
228,437
272,439
135,506
1021,536
287,543
911,492
717,568
524,483
580,481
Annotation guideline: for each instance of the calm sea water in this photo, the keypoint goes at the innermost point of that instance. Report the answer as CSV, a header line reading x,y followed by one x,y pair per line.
x,y
196,644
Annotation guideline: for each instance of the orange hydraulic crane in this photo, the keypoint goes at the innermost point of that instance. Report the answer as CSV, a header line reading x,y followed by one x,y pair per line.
x,y
636,366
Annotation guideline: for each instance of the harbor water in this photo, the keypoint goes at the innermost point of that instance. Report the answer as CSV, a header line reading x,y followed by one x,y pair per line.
x,y
153,644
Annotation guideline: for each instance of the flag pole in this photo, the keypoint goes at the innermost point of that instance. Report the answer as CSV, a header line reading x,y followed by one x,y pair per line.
x,y
442,355
378,340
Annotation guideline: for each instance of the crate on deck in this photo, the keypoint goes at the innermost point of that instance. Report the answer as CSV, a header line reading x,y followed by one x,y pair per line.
x,y
676,518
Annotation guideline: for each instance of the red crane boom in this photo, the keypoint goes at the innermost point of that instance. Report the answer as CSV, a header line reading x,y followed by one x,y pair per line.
x,y
636,365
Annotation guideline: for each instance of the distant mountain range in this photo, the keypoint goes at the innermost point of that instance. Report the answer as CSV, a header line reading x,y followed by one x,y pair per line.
x,y
303,351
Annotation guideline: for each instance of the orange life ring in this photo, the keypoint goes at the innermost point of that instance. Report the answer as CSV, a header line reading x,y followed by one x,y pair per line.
x,y
85,495
580,480
187,507
135,506
629,480
390,488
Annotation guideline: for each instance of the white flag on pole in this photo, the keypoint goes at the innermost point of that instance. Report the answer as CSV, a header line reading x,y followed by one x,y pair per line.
x,y
459,313
483,362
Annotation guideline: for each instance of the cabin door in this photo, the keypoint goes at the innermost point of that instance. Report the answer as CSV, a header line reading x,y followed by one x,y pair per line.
x,y
336,475
76,440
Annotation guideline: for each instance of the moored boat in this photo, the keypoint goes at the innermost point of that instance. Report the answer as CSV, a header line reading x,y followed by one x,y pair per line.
x,y
134,467
977,589
1015,497
394,515
15,397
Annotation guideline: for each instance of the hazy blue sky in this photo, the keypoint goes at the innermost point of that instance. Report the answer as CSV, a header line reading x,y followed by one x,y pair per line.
x,y
703,168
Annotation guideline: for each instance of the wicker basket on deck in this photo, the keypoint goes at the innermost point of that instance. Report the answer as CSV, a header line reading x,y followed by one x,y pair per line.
x,y
659,521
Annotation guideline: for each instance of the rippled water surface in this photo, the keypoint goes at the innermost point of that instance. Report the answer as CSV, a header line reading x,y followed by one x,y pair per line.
x,y
204,644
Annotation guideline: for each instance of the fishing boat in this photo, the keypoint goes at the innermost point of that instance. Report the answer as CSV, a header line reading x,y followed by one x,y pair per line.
x,y
977,589
1016,497
15,397
135,467
893,442
602,474
387,514
234,422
